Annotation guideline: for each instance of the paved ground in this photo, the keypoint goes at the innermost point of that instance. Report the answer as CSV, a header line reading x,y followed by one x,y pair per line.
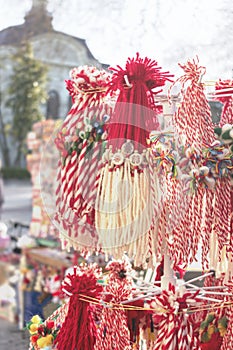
x,y
18,199
11,338
17,207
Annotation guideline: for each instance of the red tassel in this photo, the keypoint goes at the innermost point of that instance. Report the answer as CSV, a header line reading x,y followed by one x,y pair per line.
x,y
135,112
78,331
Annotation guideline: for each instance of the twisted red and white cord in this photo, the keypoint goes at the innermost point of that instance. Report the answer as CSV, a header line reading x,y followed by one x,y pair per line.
x,y
175,331
207,225
222,213
193,117
113,332
227,100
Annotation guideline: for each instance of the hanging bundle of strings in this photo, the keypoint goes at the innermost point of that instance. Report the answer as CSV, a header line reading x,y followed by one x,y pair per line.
x,y
113,332
194,125
124,203
192,119
78,331
174,328
225,88
223,218
80,142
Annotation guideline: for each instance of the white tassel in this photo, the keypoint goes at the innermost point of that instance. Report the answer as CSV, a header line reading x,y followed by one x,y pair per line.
x,y
123,213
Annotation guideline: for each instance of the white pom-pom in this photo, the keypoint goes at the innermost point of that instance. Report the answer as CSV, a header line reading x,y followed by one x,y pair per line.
x,y
210,182
226,127
204,170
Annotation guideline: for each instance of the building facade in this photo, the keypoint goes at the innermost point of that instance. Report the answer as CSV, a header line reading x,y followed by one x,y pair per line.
x,y
58,51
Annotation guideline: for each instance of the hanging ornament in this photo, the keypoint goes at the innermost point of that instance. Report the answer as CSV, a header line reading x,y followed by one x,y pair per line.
x,y
193,158
192,119
80,142
174,329
224,192
113,332
127,195
225,88
78,332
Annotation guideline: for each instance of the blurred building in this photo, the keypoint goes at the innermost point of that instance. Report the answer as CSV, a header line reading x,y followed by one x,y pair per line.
x,y
59,51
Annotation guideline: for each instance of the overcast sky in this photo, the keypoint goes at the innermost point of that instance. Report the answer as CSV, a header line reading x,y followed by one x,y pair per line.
x,y
166,30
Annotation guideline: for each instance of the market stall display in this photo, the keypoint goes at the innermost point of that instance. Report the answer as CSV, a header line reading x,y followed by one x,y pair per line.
x,y
42,271
156,191
37,141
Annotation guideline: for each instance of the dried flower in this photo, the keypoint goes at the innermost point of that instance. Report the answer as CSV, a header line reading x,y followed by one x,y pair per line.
x,y
34,338
50,324
88,128
36,319
33,328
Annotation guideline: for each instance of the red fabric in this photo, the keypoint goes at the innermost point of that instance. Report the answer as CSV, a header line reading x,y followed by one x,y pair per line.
x,y
214,344
78,331
134,317
135,114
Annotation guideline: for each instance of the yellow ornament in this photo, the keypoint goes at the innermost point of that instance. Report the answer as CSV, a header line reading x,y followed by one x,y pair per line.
x,y
23,270
222,330
45,341
33,328
36,319
49,338
41,342
211,330
222,326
